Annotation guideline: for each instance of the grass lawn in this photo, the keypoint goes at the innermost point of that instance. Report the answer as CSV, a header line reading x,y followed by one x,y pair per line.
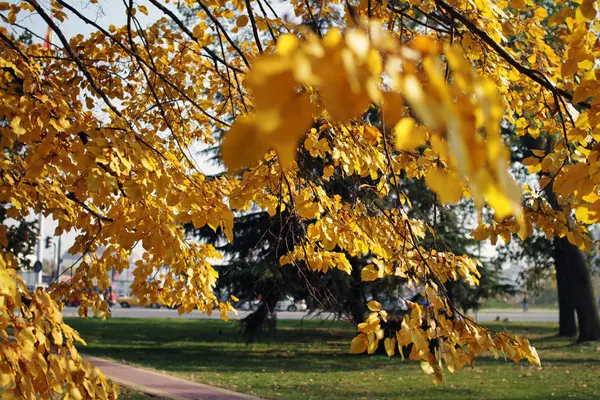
x,y
129,394
310,360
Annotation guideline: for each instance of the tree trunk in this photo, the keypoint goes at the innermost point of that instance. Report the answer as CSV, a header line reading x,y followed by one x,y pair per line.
x,y
566,307
580,287
357,300
574,282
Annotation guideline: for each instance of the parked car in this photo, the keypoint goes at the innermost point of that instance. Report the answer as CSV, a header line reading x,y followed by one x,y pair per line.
x,y
131,301
250,305
289,304
32,288
398,307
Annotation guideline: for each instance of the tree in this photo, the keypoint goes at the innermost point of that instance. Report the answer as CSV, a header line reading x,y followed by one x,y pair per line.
x,y
544,252
18,238
107,122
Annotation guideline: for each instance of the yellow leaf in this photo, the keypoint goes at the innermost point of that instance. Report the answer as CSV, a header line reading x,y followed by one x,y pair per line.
x,y
587,215
173,199
427,368
75,394
15,124
57,337
297,118
390,346
408,135
531,161
286,44
12,16
447,186
517,4
540,13
241,148
569,67
241,21
26,341
371,134
369,273
373,343
7,284
7,379
359,344
393,108
374,305
143,9
574,239
328,171
134,192
437,378
588,9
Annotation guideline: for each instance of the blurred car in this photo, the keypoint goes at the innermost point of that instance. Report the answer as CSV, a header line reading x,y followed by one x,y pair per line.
x,y
249,305
289,304
131,301
32,288
398,306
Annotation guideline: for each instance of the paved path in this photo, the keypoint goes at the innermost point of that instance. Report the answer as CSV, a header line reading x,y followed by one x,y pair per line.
x,y
165,386
516,315
513,315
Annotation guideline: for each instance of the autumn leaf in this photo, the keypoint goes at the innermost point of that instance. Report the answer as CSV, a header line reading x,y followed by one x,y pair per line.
x,y
390,346
359,344
374,305
588,9
241,21
408,135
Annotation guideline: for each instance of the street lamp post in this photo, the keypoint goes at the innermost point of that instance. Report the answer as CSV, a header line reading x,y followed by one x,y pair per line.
x,y
40,247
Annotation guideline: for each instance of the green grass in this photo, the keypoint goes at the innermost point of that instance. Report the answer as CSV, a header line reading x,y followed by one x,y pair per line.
x,y
310,360
129,394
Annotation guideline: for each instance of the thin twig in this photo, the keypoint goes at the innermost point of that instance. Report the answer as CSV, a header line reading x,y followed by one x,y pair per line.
x,y
254,28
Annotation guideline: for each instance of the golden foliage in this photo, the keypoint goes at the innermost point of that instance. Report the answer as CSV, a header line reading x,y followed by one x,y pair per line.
x,y
97,130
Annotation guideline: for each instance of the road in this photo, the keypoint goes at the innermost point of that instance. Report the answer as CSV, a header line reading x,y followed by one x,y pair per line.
x,y
513,315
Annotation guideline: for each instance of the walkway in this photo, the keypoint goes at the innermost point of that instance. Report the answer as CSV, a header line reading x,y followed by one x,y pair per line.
x,y
158,384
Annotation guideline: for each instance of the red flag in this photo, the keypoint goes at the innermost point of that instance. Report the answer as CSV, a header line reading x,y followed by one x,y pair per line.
x,y
48,39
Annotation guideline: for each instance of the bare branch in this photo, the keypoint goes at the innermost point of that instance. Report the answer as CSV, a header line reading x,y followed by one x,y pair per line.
x,y
254,28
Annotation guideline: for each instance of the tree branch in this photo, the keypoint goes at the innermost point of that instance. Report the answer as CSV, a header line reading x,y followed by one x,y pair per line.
x,y
254,28
218,24
530,73
185,29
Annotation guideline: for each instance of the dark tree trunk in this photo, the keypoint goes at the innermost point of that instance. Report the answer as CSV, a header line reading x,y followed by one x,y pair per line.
x,y
567,325
574,282
356,299
581,289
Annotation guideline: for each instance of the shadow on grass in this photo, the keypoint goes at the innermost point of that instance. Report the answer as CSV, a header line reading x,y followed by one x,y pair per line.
x,y
310,346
